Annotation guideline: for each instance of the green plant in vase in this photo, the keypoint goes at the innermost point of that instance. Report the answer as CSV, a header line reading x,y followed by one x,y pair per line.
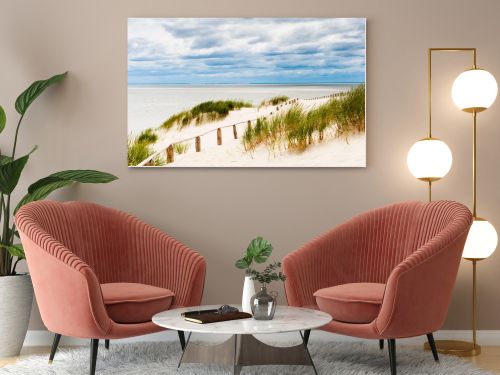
x,y
258,251
262,305
271,273
16,292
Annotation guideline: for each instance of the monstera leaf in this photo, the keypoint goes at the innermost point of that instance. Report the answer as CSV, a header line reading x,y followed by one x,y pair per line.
x,y
242,263
258,250
43,187
36,88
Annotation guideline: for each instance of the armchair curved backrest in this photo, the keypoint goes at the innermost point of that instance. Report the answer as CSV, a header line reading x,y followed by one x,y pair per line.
x,y
413,247
73,247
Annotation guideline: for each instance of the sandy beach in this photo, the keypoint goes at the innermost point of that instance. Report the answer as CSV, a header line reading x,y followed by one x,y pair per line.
x,y
328,153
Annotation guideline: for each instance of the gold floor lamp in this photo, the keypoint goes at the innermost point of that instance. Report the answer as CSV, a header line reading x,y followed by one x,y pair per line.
x,y
430,159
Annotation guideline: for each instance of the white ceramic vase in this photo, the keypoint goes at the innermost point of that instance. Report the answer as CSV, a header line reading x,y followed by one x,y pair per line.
x,y
16,298
248,292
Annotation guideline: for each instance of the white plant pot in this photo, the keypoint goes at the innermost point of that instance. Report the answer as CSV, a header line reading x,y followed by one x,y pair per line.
x,y
248,292
16,298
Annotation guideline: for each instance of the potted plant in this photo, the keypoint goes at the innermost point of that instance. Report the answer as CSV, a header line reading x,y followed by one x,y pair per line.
x,y
16,291
258,251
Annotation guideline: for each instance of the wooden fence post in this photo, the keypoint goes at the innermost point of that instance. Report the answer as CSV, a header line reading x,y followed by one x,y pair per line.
x,y
219,136
235,132
198,144
170,154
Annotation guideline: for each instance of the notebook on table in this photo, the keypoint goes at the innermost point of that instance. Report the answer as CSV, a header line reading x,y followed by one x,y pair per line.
x,y
213,316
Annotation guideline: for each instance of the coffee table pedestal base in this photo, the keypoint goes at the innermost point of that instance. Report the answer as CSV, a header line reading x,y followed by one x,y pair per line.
x,y
246,350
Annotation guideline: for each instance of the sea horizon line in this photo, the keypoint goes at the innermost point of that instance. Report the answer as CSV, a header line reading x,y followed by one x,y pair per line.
x,y
244,84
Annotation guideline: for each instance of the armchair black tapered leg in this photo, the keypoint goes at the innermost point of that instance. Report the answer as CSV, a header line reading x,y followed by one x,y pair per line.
x,y
307,333
392,355
94,346
55,344
381,344
432,344
106,344
182,339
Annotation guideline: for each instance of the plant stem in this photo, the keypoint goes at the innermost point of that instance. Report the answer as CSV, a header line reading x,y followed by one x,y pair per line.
x,y
3,251
13,271
6,235
15,137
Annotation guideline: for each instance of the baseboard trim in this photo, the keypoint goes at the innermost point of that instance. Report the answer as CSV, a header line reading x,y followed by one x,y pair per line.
x,y
484,337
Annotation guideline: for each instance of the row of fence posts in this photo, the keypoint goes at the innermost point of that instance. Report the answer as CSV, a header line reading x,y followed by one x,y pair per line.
x,y
170,148
197,143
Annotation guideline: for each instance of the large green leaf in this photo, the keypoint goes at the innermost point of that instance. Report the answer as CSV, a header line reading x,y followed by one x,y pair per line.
x,y
259,250
87,176
3,119
29,95
10,172
43,187
15,250
242,263
42,193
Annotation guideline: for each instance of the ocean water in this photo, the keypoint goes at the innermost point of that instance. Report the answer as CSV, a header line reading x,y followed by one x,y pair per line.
x,y
150,106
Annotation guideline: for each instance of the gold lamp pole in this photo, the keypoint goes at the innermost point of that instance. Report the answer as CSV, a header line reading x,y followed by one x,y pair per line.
x,y
429,159
473,91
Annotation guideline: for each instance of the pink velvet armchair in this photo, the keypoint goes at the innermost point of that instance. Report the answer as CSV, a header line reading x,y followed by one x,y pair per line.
x,y
99,273
385,274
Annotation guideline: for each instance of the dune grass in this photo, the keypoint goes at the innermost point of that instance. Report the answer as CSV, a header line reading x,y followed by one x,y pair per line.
x,y
147,136
297,129
139,148
204,112
137,151
181,148
275,100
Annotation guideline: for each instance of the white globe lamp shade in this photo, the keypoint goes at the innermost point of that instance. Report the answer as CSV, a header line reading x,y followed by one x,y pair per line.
x,y
429,159
481,241
474,90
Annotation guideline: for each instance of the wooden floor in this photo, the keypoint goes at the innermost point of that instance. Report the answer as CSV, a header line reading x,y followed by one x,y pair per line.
x,y
488,360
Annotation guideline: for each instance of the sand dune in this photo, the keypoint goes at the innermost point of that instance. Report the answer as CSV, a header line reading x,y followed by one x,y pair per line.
x,y
331,152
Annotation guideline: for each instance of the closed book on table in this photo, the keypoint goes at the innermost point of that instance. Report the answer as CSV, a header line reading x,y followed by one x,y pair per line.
x,y
212,317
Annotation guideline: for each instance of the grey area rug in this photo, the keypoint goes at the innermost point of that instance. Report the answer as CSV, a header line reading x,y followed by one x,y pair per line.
x,y
161,358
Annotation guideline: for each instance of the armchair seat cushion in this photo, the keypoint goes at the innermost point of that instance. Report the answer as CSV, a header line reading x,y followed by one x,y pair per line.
x,y
135,303
351,303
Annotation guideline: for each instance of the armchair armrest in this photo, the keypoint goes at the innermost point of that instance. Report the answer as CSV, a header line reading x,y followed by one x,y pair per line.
x,y
419,289
67,290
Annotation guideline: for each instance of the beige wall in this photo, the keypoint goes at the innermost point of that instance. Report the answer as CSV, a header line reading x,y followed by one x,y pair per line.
x,y
83,124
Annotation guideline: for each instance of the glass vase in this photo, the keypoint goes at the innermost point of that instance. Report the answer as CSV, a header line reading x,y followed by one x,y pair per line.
x,y
263,304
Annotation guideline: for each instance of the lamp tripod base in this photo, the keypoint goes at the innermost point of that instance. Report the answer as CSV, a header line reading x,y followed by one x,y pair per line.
x,y
456,348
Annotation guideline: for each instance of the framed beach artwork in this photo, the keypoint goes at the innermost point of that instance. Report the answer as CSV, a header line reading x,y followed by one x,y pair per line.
x,y
246,92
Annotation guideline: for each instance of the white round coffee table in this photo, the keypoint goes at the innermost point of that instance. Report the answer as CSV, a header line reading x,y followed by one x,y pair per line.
x,y
242,348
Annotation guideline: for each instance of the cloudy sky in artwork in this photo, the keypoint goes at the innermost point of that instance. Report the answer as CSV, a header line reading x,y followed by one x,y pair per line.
x,y
246,50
